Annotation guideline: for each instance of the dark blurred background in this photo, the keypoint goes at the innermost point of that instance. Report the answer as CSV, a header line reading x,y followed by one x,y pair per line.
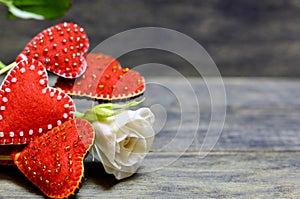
x,y
244,37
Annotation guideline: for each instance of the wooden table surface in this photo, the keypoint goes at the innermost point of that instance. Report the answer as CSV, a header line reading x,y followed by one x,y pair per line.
x,y
257,154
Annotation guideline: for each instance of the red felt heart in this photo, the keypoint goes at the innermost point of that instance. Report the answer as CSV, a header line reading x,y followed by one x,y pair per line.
x,y
60,48
54,161
28,106
104,79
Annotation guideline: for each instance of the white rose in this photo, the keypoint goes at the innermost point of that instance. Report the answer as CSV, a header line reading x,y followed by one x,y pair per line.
x,y
123,141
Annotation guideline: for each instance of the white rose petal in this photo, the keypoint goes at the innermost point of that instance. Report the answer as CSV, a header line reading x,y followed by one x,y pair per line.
x,y
123,141
105,140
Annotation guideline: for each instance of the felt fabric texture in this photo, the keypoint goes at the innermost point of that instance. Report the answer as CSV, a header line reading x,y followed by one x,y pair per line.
x,y
60,48
28,106
104,79
54,161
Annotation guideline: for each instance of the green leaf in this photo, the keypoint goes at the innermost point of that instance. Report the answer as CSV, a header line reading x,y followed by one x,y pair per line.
x,y
49,9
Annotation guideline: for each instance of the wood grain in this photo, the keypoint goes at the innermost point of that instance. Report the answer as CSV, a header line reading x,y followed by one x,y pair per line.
x,y
218,175
248,38
256,155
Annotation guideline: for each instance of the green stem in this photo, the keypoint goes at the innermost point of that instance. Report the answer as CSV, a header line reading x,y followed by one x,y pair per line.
x,y
5,157
103,111
5,69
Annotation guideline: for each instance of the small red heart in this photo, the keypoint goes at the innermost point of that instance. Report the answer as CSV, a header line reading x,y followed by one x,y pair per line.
x,y
28,107
54,161
60,48
104,79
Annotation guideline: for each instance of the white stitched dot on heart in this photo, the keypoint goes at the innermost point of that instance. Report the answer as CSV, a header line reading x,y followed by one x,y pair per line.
x,y
44,91
22,70
4,99
40,72
32,67
40,130
52,94
2,108
7,90
49,126
1,134
11,134
42,82
66,105
14,80
58,122
30,132
65,115
21,133
59,97
1,118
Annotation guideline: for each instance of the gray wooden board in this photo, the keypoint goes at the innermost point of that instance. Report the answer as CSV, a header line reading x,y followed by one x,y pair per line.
x,y
241,131
218,175
255,156
247,38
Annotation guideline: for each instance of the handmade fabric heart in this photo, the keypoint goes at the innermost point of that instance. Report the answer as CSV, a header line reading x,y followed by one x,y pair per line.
x,y
54,161
28,107
104,79
60,48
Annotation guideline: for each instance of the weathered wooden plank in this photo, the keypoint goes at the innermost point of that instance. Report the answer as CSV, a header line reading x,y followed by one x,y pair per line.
x,y
243,130
218,175
272,94
260,131
255,156
262,113
243,37
242,93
